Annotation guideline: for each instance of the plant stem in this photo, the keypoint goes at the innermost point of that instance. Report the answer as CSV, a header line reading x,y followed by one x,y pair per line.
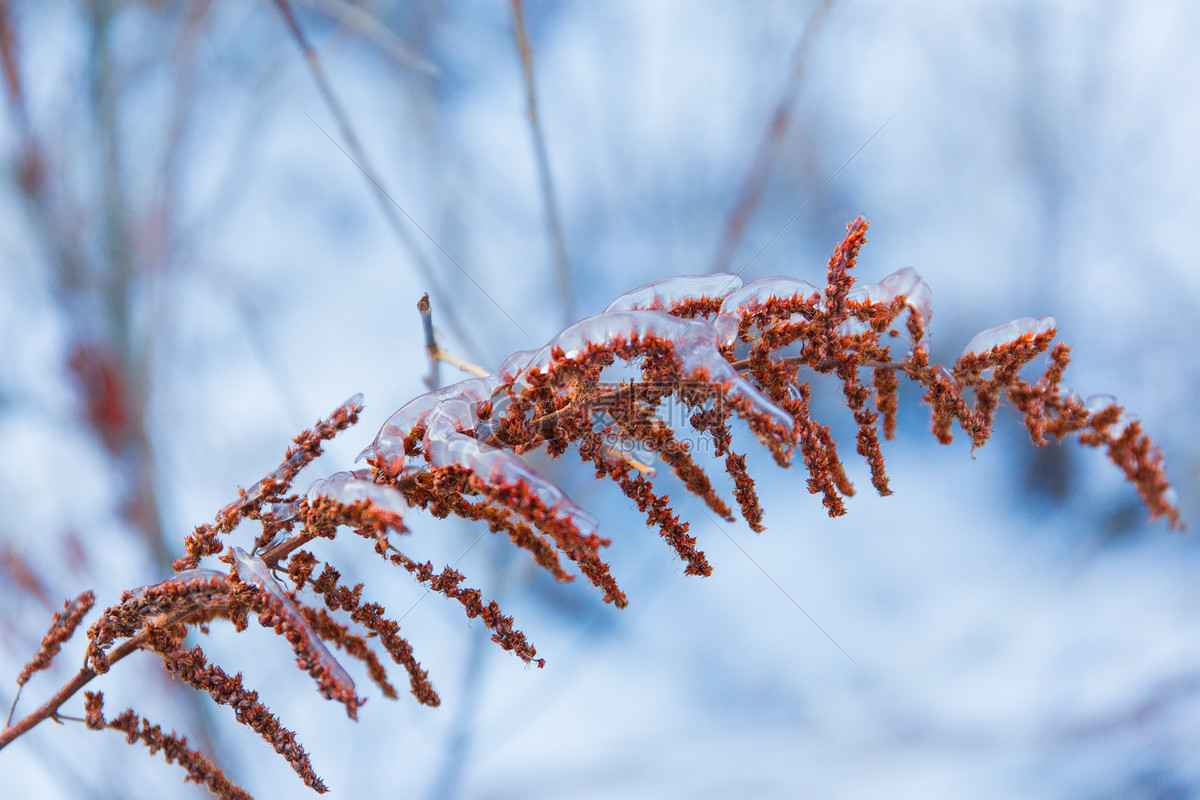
x,y
50,708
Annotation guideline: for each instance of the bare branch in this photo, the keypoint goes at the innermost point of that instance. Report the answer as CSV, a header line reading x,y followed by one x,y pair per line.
x,y
562,267
772,142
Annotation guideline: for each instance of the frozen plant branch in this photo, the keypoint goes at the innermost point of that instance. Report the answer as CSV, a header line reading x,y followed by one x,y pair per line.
x,y
715,348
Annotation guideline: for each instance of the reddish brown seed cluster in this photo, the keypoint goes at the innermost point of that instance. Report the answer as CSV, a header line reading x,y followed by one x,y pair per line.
x,y
371,616
288,621
444,490
707,348
62,628
204,541
174,748
193,668
197,594
448,582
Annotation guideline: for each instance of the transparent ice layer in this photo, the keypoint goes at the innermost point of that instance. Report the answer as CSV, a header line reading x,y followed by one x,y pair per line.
x,y
183,576
905,282
252,570
454,434
984,341
662,295
745,300
1099,402
348,488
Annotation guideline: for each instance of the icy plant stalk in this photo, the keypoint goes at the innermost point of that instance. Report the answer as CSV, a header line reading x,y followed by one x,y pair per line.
x,y
721,350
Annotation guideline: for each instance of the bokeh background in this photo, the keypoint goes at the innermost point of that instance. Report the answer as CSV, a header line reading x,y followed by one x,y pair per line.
x,y
193,268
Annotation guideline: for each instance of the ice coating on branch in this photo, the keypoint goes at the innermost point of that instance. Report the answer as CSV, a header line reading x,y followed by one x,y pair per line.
x,y
1100,402
498,467
194,574
745,300
514,364
183,576
453,408
452,415
761,404
664,294
945,376
694,343
255,492
389,442
852,326
283,512
449,414
605,328
698,352
906,283
349,488
252,570
984,341
1066,393
454,433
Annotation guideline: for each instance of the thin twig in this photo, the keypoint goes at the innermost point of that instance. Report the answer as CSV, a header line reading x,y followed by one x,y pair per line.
x,y
10,63
13,707
50,708
437,354
772,142
435,373
562,268
640,466
465,366
369,25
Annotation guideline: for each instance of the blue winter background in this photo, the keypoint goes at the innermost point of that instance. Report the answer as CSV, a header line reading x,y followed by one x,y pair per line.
x,y
1017,627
